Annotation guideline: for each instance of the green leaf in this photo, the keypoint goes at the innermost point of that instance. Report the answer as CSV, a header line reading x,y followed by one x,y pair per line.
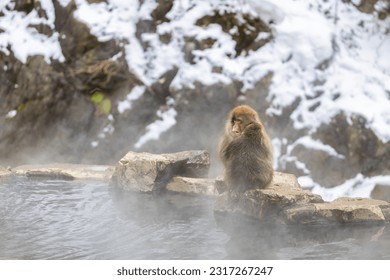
x,y
97,97
21,107
105,105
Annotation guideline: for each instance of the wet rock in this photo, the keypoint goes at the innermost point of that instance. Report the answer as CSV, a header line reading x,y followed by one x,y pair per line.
x,y
147,172
267,204
284,201
65,171
220,185
4,173
199,186
342,210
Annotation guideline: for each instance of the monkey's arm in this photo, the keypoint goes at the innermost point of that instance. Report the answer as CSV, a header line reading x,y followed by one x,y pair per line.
x,y
234,148
223,146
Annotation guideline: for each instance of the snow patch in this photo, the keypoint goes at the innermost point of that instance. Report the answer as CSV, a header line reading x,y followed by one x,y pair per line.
x,y
24,40
166,120
383,57
277,145
108,129
11,114
358,186
306,182
312,144
135,94
64,3
267,11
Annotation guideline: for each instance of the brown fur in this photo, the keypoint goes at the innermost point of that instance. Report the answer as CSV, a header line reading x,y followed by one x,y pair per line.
x,y
246,151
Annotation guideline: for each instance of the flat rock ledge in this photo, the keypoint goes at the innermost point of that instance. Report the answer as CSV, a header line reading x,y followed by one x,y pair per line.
x,y
65,171
284,201
202,186
342,210
4,173
147,172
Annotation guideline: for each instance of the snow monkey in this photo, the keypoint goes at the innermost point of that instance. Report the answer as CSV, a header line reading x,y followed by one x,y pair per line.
x,y
246,151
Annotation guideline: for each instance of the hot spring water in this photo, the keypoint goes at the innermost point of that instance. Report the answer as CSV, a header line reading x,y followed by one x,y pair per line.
x,y
54,219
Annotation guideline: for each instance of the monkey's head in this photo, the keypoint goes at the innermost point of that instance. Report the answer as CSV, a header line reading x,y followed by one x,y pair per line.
x,y
240,117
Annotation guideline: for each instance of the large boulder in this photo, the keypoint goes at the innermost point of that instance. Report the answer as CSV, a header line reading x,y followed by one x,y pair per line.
x,y
267,204
147,172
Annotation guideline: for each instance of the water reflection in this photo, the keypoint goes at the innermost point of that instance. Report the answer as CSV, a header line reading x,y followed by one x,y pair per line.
x,y
54,219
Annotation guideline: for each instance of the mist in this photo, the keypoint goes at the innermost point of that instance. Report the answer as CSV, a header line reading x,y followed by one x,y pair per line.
x,y
87,82
54,219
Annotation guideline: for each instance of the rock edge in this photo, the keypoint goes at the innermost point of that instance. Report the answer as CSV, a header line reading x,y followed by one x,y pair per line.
x,y
64,171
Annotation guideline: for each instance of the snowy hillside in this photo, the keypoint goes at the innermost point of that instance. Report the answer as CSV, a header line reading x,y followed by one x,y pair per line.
x,y
328,55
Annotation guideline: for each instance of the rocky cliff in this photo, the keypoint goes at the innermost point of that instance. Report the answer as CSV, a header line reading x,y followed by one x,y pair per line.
x,y
86,81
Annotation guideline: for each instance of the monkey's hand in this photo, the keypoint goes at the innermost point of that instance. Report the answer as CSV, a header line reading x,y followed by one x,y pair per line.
x,y
252,129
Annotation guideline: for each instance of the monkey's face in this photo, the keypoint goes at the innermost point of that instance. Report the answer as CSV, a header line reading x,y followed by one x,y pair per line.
x,y
239,122
240,118
237,126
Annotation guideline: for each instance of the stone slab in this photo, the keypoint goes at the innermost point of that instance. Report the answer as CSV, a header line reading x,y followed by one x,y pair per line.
x,y
147,172
65,171
198,186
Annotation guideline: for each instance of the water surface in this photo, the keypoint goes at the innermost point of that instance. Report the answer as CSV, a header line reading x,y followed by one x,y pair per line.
x,y
54,219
